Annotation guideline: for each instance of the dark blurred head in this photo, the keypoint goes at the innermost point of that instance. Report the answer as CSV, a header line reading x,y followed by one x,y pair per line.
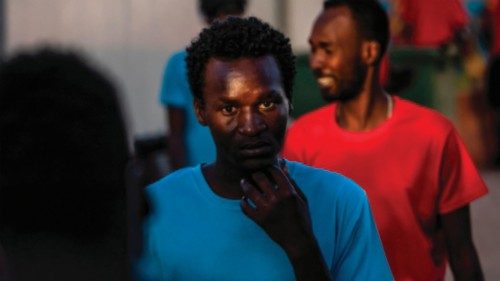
x,y
63,144
239,38
214,9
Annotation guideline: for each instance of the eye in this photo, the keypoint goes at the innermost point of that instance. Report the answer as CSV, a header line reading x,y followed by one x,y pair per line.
x,y
328,50
267,105
228,109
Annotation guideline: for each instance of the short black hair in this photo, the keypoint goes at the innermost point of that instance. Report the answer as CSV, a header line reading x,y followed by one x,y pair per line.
x,y
63,143
239,38
370,17
211,9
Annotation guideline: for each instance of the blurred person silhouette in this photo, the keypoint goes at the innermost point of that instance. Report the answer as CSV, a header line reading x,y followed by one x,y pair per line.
x,y
250,215
410,160
63,150
489,24
189,143
428,23
3,266
493,95
491,27
440,32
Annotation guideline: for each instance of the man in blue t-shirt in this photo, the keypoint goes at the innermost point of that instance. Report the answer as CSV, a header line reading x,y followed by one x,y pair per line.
x,y
189,142
251,215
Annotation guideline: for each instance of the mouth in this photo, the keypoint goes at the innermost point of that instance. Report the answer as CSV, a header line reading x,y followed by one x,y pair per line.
x,y
256,149
325,81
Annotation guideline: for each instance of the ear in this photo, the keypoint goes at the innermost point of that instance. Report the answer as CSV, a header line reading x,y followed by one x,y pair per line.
x,y
199,109
370,52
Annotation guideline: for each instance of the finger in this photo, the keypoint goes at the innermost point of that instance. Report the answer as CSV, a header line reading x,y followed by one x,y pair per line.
x,y
264,183
285,187
298,190
283,166
252,193
247,209
283,173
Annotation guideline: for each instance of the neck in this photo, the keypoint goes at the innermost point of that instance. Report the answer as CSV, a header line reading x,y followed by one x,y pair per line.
x,y
370,108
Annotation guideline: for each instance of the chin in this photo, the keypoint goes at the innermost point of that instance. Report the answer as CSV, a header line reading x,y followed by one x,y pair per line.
x,y
342,96
330,96
257,164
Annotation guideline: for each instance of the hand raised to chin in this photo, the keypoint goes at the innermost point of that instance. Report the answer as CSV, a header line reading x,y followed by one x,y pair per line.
x,y
279,207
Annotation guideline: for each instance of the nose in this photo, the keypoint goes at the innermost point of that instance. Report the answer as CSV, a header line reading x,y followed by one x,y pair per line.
x,y
316,60
251,123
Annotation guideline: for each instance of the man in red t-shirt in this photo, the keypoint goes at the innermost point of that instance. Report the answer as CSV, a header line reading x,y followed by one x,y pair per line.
x,y
409,159
491,22
430,23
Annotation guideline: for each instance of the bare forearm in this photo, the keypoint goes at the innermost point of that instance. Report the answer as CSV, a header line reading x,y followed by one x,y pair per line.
x,y
465,265
463,258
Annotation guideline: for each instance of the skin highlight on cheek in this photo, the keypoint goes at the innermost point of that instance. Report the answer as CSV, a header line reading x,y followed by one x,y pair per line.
x,y
232,124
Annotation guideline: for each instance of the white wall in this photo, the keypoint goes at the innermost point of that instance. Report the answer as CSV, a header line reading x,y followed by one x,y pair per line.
x,y
132,38
301,16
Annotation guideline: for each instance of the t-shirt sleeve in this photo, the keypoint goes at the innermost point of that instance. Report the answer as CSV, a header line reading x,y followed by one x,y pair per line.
x,y
360,255
407,11
458,15
459,178
175,88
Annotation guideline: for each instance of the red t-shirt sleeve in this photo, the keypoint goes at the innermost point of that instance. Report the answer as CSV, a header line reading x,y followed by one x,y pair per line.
x,y
459,178
458,15
407,11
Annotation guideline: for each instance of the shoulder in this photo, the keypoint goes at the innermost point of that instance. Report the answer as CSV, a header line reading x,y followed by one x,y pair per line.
x,y
327,185
425,121
177,60
179,55
172,183
314,122
313,116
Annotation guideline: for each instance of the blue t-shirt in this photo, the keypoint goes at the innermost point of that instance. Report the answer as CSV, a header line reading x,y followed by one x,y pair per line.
x,y
193,234
175,92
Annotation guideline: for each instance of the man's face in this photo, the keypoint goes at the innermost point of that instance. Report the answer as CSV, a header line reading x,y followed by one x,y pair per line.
x,y
246,109
335,55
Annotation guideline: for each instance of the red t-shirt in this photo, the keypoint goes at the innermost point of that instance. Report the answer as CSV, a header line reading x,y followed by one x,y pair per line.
x,y
495,20
413,167
433,22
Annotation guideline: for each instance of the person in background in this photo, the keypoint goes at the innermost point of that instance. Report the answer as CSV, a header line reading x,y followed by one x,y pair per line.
x,y
428,23
493,10
493,95
251,215
410,160
491,27
63,151
188,142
